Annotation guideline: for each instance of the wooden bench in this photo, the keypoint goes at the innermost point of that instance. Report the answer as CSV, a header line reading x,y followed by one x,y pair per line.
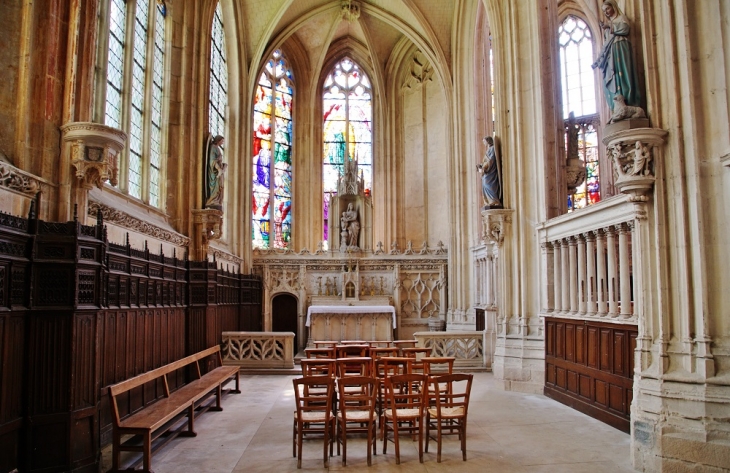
x,y
160,416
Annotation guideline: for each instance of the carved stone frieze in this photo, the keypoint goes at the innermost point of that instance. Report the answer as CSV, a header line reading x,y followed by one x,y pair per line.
x,y
125,220
94,151
16,180
221,255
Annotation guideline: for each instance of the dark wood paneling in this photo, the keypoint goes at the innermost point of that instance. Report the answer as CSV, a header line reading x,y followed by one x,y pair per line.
x,y
589,366
77,314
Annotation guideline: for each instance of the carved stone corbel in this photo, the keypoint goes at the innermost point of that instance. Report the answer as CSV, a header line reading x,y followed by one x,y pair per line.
x,y
350,10
495,225
633,154
95,149
208,225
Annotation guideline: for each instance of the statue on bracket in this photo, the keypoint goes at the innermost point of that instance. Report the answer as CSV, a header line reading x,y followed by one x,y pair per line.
x,y
615,62
350,228
215,170
491,172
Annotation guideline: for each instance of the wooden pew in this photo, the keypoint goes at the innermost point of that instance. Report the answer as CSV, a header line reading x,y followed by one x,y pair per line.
x,y
158,417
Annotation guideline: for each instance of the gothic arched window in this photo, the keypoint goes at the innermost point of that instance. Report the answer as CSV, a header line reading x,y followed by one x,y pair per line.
x,y
218,99
138,111
347,115
579,98
272,155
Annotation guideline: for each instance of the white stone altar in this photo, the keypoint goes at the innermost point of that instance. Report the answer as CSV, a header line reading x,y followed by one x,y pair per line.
x,y
350,322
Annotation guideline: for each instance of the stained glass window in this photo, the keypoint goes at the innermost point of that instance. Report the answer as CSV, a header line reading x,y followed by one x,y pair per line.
x,y
143,102
218,77
579,97
272,155
347,110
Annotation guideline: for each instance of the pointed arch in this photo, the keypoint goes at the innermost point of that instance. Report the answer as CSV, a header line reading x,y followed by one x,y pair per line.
x,y
271,200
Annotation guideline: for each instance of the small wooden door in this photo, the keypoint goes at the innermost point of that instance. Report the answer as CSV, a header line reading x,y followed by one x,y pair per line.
x,y
284,316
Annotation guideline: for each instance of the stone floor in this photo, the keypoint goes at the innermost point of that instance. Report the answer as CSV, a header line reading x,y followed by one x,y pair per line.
x,y
507,432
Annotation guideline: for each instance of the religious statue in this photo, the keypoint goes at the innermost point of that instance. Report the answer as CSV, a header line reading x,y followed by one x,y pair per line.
x,y
491,177
350,228
615,60
214,173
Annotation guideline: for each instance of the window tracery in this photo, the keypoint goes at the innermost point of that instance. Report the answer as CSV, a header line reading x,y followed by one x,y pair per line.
x,y
577,79
347,129
139,111
272,155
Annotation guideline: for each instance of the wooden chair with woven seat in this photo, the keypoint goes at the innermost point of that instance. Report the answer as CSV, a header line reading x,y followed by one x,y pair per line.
x,y
404,410
437,365
386,367
314,414
449,414
377,353
357,395
417,353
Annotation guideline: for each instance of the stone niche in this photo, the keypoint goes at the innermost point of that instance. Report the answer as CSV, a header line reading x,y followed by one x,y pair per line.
x,y
351,214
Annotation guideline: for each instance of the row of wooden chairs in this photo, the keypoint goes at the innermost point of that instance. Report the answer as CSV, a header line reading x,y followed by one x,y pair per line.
x,y
412,402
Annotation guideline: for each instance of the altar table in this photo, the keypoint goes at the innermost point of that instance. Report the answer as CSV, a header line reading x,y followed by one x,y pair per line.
x,y
356,322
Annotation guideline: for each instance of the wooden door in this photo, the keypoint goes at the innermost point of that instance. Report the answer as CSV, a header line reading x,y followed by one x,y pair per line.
x,y
284,316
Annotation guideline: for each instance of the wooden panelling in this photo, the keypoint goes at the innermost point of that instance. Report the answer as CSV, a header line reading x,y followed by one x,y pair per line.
x,y
78,314
590,367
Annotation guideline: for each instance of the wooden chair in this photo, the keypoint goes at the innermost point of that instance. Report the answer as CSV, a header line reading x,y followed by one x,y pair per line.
x,y
357,412
359,350
313,416
449,414
322,352
417,353
378,353
318,367
354,366
386,367
434,365
405,344
404,410
380,343
325,343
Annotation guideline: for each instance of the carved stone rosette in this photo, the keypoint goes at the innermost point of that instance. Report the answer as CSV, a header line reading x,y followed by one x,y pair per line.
x,y
350,10
208,225
632,152
94,151
495,225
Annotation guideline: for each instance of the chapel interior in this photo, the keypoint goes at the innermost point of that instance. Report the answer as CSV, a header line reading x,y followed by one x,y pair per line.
x,y
539,188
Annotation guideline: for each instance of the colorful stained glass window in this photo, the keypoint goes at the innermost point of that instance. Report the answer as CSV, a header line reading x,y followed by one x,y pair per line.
x,y
579,97
218,77
143,101
589,192
272,155
347,110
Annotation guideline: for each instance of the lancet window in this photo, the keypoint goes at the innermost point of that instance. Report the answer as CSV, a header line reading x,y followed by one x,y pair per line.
x,y
140,44
218,98
580,111
272,155
347,115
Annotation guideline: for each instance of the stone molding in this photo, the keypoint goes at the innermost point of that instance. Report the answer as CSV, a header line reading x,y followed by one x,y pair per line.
x,y
122,219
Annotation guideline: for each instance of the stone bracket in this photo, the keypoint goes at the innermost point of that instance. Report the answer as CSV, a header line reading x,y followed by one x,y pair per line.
x,y
633,154
94,152
495,223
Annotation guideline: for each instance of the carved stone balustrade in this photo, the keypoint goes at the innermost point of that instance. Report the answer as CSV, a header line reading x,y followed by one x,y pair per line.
x,y
467,347
258,349
590,261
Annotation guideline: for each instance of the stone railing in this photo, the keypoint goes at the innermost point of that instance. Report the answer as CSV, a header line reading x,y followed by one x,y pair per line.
x,y
589,261
258,349
466,346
